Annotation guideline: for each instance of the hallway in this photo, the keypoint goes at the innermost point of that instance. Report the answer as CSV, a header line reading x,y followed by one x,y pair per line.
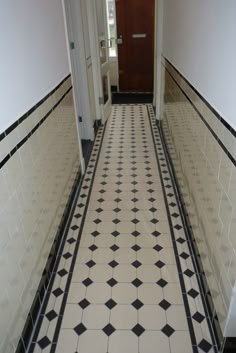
x,y
126,280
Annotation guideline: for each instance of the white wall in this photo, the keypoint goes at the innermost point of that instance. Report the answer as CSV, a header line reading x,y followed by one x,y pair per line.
x,y
200,40
33,54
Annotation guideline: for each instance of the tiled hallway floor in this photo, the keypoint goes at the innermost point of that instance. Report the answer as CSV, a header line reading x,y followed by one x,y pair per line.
x,y
126,281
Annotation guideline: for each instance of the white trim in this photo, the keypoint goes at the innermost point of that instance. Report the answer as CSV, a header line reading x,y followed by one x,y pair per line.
x,y
74,29
157,99
82,162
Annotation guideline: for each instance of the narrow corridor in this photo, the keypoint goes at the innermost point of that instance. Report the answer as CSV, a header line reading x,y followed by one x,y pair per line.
x,y
126,280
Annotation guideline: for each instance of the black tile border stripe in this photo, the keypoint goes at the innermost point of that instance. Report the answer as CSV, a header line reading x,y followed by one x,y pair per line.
x,y
178,264
26,138
31,110
226,125
229,343
69,278
52,261
204,290
31,330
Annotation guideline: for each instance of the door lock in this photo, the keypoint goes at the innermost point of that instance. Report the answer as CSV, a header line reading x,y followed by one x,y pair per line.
x,y
119,40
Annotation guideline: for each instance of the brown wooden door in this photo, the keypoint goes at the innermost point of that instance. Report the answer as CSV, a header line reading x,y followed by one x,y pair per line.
x,y
135,28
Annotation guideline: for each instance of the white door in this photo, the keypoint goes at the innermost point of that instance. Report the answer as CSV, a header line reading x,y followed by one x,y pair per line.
x,y
79,68
103,51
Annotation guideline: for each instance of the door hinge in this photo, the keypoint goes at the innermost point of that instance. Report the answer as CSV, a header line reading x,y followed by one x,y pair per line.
x,y
101,100
80,119
72,45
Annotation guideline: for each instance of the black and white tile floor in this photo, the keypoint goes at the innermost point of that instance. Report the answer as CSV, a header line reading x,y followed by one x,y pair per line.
x,y
125,280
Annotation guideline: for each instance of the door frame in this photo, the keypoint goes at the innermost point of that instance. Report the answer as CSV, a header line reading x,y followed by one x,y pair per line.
x,y
157,91
95,54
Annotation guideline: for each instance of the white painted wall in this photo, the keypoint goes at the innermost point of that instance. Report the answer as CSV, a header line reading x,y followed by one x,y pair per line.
x,y
200,40
33,54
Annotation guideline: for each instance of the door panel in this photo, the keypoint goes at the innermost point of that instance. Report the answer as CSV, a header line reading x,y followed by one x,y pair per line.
x,y
104,57
135,33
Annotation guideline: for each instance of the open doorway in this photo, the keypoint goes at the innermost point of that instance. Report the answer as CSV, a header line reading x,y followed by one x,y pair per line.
x,y
131,30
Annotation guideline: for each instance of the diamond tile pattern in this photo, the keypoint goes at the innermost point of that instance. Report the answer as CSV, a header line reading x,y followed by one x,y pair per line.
x,y
126,259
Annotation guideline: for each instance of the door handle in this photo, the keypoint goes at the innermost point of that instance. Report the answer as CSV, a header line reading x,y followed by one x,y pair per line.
x,y
109,43
139,35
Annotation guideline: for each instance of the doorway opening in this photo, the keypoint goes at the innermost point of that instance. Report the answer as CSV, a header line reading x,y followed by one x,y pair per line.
x,y
131,31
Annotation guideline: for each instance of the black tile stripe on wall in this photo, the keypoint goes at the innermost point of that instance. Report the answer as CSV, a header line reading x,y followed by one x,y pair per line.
x,y
222,120
25,116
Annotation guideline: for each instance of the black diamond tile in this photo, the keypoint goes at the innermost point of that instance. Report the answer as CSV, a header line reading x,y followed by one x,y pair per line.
x,y
99,210
135,221
84,303
162,283
114,247
117,200
102,191
157,248
115,233
156,233
62,272
136,264
116,221
175,215
97,221
172,204
178,227
193,293
137,283
51,315
111,304
198,317
87,282
71,240
188,273
101,200
95,233
164,304
80,329
113,264
138,330
117,209
180,240
134,199
168,330
78,215
90,263
152,209
75,227
109,329
93,247
112,282
57,292
135,233
154,221
44,342
137,304
159,264
205,346
67,255
80,205
135,209
184,255
136,247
